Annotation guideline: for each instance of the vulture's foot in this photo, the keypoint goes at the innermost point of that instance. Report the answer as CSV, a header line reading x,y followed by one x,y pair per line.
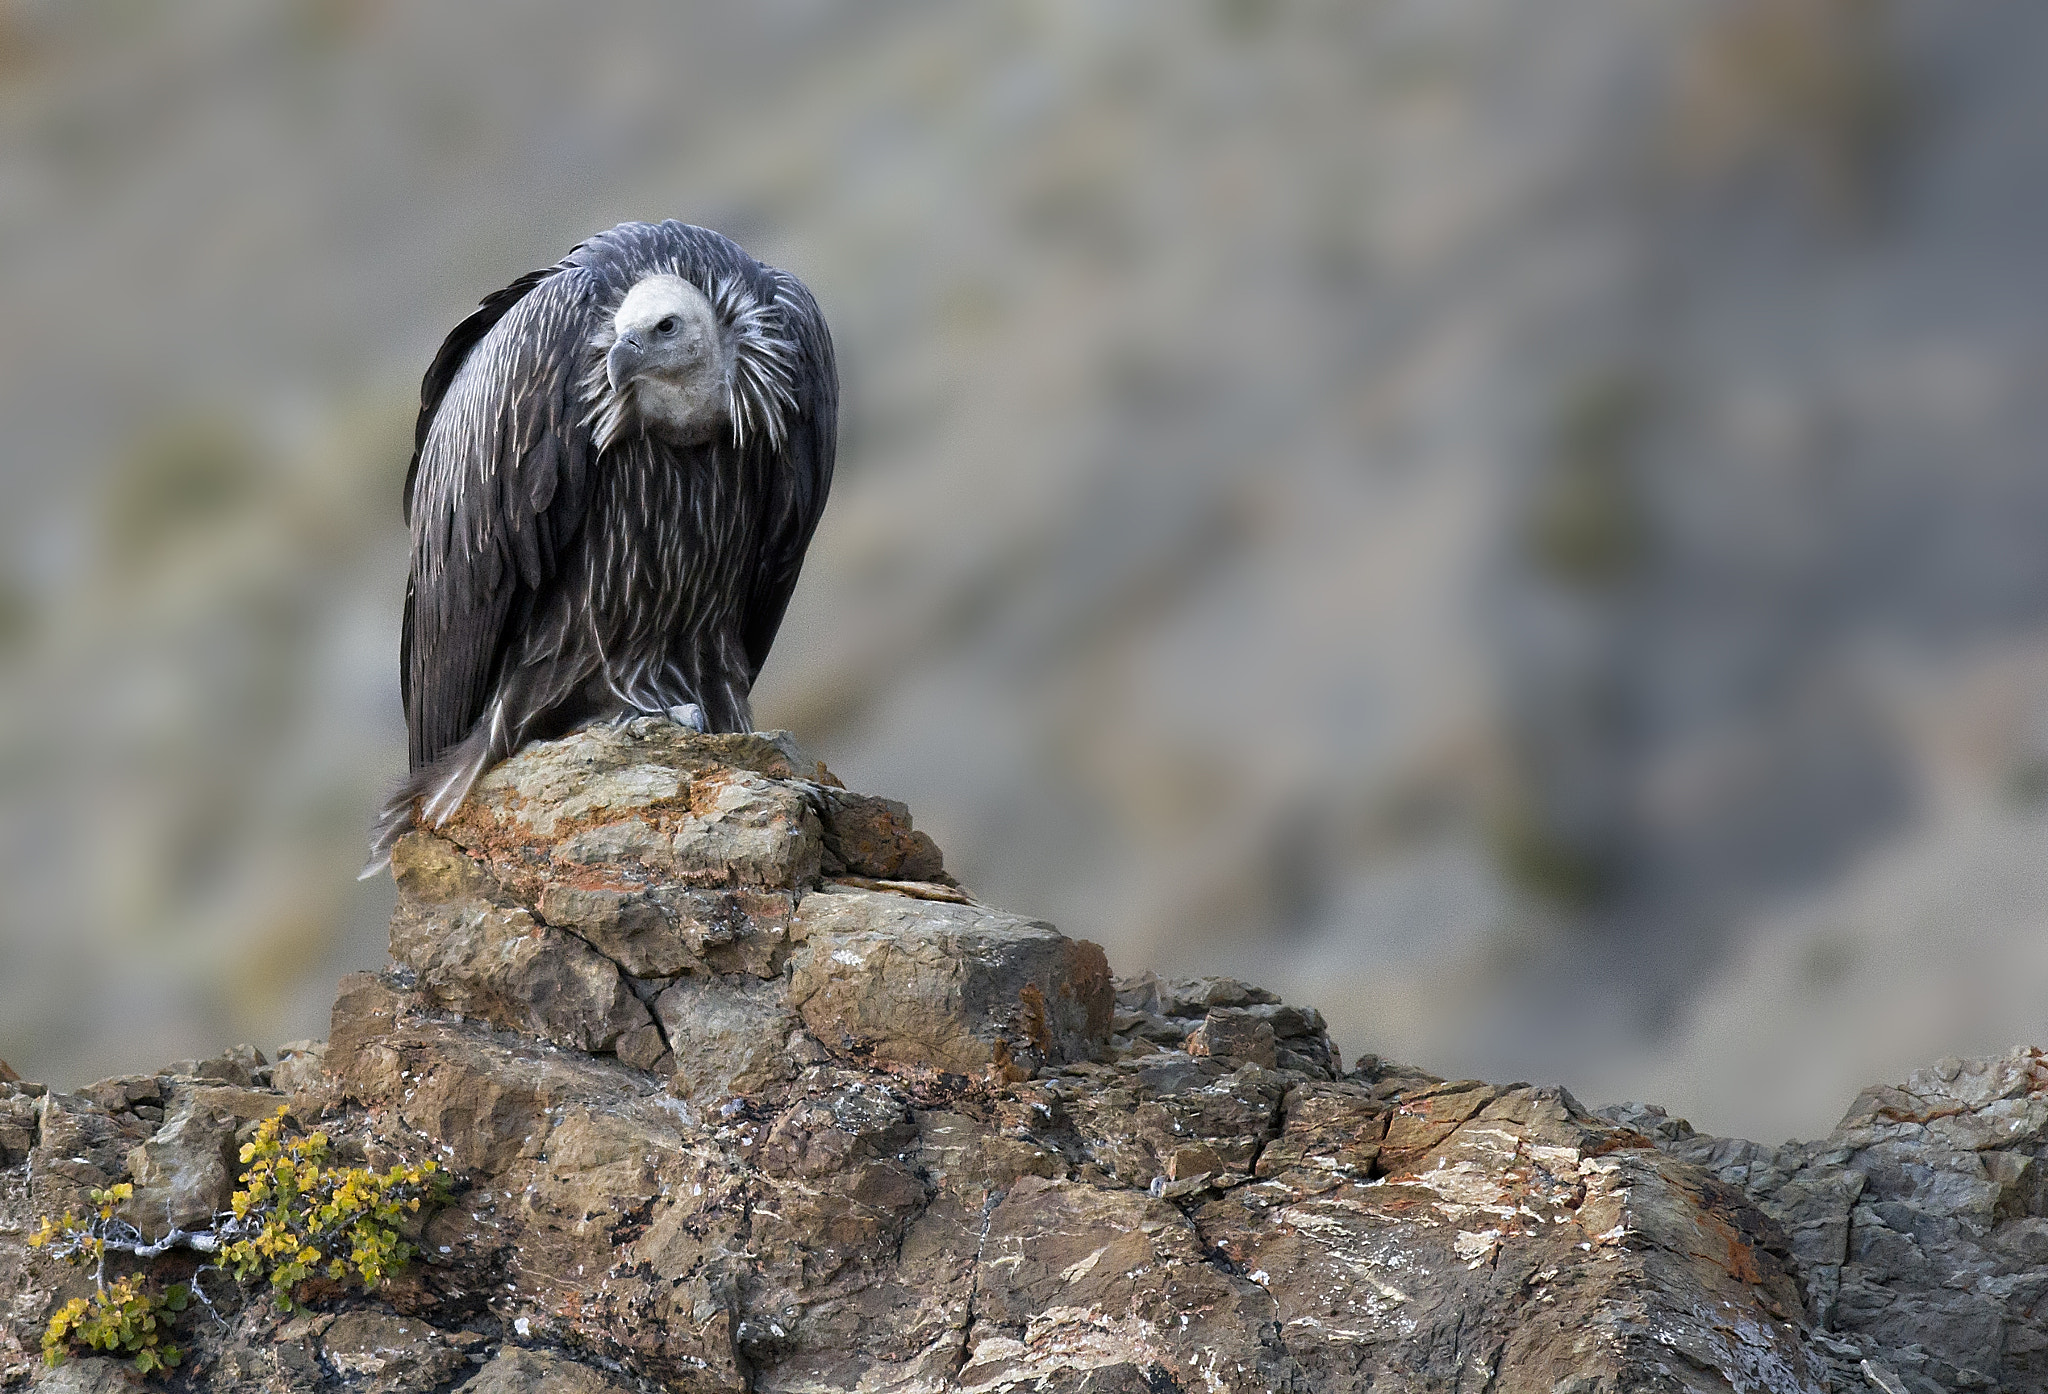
x,y
689,714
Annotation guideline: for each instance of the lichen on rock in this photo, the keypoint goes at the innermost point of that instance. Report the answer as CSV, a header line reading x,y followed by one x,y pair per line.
x,y
740,1091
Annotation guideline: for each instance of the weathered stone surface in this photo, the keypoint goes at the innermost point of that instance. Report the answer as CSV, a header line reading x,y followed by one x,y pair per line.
x,y
1920,1224
1177,1012
728,1037
186,1170
300,1065
366,1009
663,931
955,986
384,1353
1328,1127
646,802
79,1147
867,836
487,1099
1236,1034
18,1121
97,1375
855,1138
505,966
645,1048
244,1065
630,927
516,1371
1075,1281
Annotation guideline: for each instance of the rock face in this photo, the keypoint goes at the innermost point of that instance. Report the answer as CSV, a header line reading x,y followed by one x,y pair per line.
x,y
1920,1225
742,1092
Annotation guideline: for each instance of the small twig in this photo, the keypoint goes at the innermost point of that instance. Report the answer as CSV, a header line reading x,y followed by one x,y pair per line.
x,y
200,1293
203,1241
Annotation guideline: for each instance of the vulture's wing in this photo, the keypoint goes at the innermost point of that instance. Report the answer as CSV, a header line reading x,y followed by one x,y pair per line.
x,y
497,489
800,480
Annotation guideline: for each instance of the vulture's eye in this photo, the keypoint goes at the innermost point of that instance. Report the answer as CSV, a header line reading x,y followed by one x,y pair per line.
x,y
667,325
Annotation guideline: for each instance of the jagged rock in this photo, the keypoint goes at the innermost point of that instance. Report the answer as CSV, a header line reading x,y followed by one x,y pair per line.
x,y
741,1094
487,1099
1176,1013
955,986
80,1147
95,1375
1920,1224
186,1170
386,1353
662,932
243,1065
871,837
515,1371
1335,1127
18,1112
486,959
1237,1034
728,1038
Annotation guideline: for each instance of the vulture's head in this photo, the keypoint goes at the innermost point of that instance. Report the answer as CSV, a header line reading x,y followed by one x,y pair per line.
x,y
671,358
690,365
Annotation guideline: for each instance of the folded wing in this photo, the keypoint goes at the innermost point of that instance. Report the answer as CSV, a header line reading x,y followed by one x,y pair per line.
x,y
497,491
800,479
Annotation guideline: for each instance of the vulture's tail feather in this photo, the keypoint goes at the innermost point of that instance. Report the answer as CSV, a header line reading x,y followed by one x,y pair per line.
x,y
432,793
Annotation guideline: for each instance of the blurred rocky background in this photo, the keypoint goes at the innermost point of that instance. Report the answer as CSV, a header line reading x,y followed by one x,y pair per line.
x,y
1523,526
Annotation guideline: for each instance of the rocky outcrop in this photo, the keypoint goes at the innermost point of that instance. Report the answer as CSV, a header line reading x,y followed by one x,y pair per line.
x,y
1920,1225
742,1092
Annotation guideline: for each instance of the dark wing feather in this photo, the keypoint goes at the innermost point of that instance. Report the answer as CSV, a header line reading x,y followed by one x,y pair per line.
x,y
799,481
454,349
497,490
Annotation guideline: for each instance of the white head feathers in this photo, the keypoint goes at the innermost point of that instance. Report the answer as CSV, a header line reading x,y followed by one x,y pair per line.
x,y
671,356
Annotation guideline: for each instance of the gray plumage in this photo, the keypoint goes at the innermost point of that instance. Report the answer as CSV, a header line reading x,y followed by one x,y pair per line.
x,y
618,464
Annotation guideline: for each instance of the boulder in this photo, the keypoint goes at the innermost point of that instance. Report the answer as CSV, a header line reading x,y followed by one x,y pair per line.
x,y
386,1353
958,987
728,1037
186,1171
516,1371
1920,1225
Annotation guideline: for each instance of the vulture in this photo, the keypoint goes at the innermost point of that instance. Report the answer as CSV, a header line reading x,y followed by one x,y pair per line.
x,y
618,464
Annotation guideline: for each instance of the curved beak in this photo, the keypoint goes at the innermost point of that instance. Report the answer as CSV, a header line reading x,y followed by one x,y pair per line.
x,y
625,360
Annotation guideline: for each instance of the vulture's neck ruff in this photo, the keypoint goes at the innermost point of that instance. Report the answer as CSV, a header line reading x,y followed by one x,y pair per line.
x,y
691,366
